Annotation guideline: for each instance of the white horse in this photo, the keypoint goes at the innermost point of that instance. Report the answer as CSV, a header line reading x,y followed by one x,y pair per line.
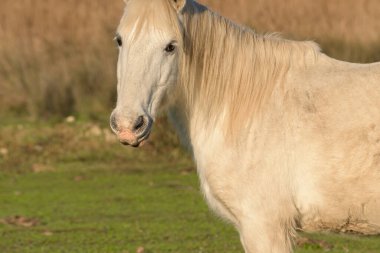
x,y
283,136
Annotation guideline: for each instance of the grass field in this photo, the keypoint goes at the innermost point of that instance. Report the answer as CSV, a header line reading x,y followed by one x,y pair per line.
x,y
75,189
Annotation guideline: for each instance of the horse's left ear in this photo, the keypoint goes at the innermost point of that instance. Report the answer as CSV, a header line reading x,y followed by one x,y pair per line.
x,y
178,4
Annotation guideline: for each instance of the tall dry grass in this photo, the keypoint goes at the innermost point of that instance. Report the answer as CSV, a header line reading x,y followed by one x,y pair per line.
x,y
58,57
351,20
346,29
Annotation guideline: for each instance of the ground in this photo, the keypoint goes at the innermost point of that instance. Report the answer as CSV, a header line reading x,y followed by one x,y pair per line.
x,y
70,187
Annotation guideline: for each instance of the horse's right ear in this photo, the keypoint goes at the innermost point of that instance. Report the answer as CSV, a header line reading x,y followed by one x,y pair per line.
x,y
178,4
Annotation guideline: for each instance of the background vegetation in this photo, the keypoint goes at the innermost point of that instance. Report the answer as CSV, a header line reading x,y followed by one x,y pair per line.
x,y
67,186
58,57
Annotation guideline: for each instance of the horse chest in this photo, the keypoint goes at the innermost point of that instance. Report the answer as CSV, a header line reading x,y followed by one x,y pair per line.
x,y
217,196
218,181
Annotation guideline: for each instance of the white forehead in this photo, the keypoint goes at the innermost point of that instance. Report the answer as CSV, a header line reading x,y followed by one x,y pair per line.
x,y
156,17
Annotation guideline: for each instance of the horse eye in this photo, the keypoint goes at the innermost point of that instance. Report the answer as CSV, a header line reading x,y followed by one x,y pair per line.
x,y
170,48
118,40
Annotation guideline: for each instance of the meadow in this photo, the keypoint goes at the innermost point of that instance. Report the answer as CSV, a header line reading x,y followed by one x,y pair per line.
x,y
68,186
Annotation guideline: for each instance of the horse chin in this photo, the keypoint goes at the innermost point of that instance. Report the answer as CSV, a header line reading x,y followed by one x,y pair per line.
x,y
139,144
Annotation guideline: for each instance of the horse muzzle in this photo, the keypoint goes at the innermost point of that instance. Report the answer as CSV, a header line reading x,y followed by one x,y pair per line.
x,y
134,134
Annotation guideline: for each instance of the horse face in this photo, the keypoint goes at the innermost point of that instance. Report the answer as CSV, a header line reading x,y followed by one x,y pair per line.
x,y
147,68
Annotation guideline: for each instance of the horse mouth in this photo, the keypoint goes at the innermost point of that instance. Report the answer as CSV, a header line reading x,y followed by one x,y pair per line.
x,y
141,140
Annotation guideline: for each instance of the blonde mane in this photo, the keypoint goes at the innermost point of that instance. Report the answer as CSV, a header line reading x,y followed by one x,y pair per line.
x,y
230,71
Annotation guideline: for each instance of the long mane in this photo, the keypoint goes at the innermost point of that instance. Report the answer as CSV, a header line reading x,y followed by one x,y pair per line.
x,y
229,71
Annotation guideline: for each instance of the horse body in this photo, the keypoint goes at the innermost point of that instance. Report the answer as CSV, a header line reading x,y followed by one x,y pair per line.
x,y
283,136
339,113
312,162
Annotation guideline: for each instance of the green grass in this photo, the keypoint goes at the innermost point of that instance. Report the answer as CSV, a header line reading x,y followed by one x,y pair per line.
x,y
96,196
111,211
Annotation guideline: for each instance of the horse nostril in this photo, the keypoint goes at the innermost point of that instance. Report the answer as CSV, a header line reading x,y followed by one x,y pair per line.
x,y
140,122
113,123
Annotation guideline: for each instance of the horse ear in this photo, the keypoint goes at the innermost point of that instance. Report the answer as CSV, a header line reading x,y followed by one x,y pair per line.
x,y
178,4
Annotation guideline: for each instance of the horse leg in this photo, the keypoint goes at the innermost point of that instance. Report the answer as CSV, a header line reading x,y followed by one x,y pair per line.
x,y
268,235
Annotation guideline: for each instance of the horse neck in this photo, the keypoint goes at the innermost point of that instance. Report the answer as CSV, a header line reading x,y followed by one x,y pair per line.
x,y
193,78
228,73
202,93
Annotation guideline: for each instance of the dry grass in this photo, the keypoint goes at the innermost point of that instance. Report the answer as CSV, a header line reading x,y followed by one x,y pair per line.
x,y
346,29
355,21
58,57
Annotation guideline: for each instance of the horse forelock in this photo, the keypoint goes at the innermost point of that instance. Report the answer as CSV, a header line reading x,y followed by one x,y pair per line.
x,y
141,16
